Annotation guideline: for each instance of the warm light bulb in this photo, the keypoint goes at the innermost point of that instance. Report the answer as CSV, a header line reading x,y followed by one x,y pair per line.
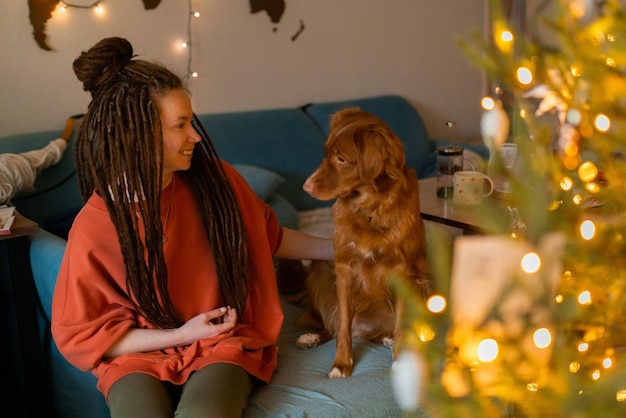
x,y
583,347
196,14
587,171
531,263
567,183
574,367
98,9
425,333
602,123
587,230
524,75
542,338
620,396
487,350
595,375
184,44
506,36
194,74
436,304
607,363
584,298
487,103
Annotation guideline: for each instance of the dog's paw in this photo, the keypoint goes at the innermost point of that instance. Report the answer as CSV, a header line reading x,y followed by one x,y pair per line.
x,y
338,371
309,340
388,342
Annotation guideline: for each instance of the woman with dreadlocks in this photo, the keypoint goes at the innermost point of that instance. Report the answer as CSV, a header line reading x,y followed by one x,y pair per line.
x,y
167,291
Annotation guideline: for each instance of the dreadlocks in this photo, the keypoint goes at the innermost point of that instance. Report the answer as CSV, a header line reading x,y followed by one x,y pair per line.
x,y
119,152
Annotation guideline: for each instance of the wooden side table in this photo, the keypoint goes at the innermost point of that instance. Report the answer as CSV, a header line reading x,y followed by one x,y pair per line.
x,y
29,375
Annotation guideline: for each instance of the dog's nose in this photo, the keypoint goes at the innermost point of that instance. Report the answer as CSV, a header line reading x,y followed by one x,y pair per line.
x,y
307,187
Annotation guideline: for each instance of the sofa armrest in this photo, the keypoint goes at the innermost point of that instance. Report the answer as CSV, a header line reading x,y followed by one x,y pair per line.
x,y
46,253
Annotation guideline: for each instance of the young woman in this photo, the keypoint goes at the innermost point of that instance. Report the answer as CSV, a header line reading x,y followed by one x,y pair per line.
x,y
167,291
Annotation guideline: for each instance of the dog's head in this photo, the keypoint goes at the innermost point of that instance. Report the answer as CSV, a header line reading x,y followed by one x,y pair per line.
x,y
361,152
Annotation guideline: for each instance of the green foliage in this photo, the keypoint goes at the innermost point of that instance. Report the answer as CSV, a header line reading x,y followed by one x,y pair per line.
x,y
570,170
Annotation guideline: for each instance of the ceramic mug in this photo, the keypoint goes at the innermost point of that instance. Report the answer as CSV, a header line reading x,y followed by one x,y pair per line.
x,y
469,187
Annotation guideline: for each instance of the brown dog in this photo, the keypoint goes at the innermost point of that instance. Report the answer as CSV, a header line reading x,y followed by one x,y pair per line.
x,y
379,235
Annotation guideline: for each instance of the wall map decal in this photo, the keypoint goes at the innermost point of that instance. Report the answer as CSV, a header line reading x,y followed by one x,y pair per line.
x,y
40,11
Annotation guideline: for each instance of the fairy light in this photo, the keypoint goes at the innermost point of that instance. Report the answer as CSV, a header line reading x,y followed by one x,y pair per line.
x,y
592,187
188,44
582,347
96,5
587,171
542,338
620,396
524,75
487,350
566,183
574,367
587,230
607,363
531,263
506,36
436,304
577,199
595,375
584,298
487,103
602,122
532,387
425,333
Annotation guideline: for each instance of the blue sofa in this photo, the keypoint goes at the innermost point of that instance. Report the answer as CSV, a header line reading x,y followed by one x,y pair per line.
x,y
275,150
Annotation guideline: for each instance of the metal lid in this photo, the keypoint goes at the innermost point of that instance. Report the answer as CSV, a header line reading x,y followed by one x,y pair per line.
x,y
450,150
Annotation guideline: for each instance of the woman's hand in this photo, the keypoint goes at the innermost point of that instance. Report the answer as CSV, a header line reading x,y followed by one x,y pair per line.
x,y
205,325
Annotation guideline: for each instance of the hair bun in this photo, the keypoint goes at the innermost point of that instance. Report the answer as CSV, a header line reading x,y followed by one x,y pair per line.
x,y
99,66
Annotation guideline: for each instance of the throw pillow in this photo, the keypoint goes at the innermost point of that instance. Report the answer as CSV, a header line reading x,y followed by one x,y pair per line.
x,y
264,182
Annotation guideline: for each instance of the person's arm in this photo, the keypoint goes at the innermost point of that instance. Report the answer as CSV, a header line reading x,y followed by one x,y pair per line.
x,y
297,245
204,325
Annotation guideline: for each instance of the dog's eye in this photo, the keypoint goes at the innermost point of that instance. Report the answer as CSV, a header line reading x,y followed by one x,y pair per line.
x,y
340,159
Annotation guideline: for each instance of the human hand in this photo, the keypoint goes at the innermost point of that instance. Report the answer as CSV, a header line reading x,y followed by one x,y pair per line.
x,y
208,324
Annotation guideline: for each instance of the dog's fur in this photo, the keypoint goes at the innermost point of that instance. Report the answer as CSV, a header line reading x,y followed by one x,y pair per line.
x,y
378,236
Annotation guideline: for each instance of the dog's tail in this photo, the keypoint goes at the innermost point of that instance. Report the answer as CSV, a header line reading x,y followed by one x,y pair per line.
x,y
291,279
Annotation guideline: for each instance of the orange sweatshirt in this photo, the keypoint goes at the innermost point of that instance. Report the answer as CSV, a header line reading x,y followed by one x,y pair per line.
x,y
91,309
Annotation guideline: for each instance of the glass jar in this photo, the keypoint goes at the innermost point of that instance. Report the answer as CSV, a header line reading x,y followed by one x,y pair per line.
x,y
449,161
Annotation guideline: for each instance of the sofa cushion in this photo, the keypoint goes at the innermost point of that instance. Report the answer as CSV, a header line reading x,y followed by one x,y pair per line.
x,y
263,182
56,185
284,141
401,117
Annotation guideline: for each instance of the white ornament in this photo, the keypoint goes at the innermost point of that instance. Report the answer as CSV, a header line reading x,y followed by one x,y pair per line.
x,y
408,380
494,126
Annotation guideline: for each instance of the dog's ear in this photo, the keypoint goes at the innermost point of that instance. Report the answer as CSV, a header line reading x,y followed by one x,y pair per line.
x,y
382,152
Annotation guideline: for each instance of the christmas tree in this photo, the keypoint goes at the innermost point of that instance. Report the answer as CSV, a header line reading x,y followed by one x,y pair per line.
x,y
546,337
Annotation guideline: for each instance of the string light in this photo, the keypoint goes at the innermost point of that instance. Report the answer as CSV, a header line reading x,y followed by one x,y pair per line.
x,y
65,6
186,45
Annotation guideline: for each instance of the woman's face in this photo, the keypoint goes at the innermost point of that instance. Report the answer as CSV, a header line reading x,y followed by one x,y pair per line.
x,y
179,136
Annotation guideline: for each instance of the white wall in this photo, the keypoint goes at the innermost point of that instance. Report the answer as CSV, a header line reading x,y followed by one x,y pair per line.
x,y
348,49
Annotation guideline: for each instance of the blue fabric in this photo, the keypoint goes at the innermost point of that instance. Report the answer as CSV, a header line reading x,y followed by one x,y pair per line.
x,y
286,213
57,185
301,387
74,391
263,182
284,141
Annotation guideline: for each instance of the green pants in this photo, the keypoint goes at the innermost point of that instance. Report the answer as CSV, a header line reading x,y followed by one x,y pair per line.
x,y
218,390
